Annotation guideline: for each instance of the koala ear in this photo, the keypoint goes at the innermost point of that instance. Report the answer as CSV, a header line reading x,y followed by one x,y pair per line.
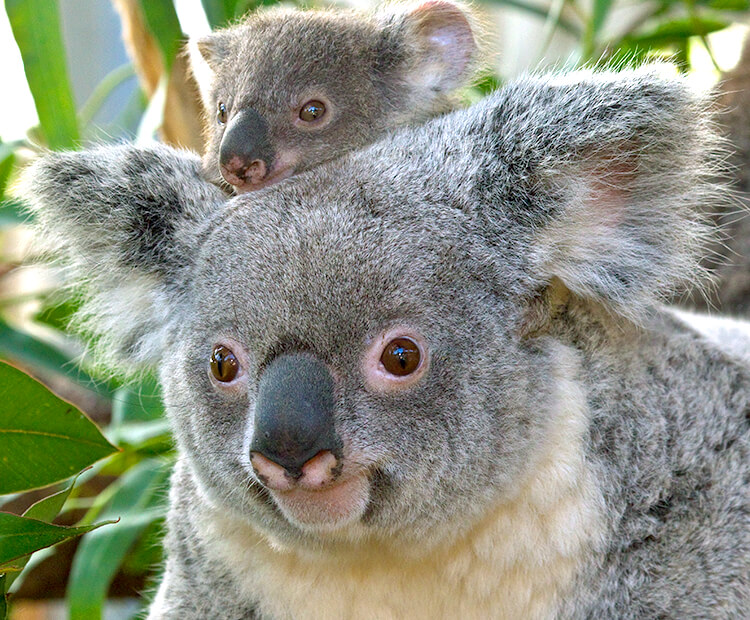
x,y
440,39
125,223
614,172
206,55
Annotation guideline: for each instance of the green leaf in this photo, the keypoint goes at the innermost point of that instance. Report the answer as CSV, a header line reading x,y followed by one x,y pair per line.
x,y
3,599
6,166
138,501
12,212
20,536
44,510
675,31
728,5
599,14
36,28
43,439
538,11
219,12
18,346
162,21
103,90
137,403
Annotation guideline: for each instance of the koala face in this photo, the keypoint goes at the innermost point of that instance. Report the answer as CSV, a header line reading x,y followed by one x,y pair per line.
x,y
386,448
360,352
287,90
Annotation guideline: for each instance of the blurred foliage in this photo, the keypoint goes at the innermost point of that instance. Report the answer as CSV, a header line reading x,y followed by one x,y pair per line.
x,y
47,441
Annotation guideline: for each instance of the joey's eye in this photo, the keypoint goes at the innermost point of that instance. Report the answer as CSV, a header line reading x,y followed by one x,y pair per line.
x,y
224,364
312,111
401,357
221,114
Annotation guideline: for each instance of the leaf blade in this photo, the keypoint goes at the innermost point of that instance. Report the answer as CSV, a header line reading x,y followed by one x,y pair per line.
x,y
35,421
21,536
36,28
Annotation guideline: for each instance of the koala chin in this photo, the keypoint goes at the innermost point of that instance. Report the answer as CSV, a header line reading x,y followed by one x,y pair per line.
x,y
434,378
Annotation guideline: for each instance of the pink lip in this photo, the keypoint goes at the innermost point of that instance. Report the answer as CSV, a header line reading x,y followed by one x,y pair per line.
x,y
328,508
274,177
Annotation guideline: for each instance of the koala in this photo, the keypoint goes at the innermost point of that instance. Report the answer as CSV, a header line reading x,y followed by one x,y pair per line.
x,y
432,378
285,90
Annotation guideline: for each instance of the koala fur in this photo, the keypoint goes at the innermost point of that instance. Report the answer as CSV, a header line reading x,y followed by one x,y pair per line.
x,y
729,256
371,72
567,448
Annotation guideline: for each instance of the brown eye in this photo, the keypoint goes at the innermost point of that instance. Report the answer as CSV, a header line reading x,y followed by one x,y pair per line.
x,y
224,364
221,114
312,111
401,357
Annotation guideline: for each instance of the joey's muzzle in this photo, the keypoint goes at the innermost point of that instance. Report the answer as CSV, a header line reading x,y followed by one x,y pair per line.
x,y
294,413
245,154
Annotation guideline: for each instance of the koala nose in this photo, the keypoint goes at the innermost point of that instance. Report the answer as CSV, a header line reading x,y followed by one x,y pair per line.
x,y
245,154
293,426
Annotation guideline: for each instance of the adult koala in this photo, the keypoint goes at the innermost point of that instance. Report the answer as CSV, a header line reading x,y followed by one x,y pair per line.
x,y
432,379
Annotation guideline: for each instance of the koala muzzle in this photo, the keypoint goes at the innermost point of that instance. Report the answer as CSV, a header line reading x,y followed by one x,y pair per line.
x,y
294,427
245,154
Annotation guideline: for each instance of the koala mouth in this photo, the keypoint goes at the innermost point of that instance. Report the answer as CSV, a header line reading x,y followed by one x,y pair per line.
x,y
325,509
274,176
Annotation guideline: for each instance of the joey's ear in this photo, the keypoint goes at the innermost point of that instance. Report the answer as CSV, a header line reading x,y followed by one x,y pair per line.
x,y
125,223
440,40
607,176
206,55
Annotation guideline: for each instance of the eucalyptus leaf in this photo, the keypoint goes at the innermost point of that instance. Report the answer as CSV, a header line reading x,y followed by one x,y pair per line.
x,y
137,403
3,599
12,212
137,501
27,350
21,536
675,31
35,423
36,28
164,25
6,166
219,12
45,510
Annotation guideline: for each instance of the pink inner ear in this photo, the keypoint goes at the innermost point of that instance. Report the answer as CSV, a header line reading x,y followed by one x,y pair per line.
x,y
609,189
450,38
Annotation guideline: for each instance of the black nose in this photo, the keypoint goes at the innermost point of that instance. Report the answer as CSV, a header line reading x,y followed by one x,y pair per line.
x,y
245,147
294,412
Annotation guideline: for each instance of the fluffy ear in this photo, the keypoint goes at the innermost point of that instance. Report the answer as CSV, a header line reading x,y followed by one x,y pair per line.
x,y
125,223
608,176
439,38
206,55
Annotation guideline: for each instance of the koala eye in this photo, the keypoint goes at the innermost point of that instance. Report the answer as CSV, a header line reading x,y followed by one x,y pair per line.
x,y
312,111
401,357
221,114
224,364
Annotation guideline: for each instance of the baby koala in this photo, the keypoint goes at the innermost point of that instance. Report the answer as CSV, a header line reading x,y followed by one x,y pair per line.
x,y
285,90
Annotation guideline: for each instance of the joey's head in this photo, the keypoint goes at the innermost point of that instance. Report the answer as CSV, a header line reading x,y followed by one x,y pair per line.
x,y
368,351
286,90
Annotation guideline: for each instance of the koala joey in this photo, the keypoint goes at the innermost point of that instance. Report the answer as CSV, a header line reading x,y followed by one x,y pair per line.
x,y
432,378
285,90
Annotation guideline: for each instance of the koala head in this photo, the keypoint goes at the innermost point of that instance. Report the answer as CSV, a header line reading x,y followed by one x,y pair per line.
x,y
286,90
368,350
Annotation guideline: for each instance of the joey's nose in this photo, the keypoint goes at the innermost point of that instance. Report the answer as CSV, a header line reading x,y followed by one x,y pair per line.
x,y
245,153
294,419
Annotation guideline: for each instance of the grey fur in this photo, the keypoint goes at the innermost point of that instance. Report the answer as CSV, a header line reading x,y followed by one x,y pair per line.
x,y
376,71
529,239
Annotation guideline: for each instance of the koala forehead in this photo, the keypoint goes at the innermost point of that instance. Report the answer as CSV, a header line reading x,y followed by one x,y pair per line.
x,y
299,52
311,270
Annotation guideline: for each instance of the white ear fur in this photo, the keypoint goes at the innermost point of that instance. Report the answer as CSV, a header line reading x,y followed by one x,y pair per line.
x,y
448,46
202,71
